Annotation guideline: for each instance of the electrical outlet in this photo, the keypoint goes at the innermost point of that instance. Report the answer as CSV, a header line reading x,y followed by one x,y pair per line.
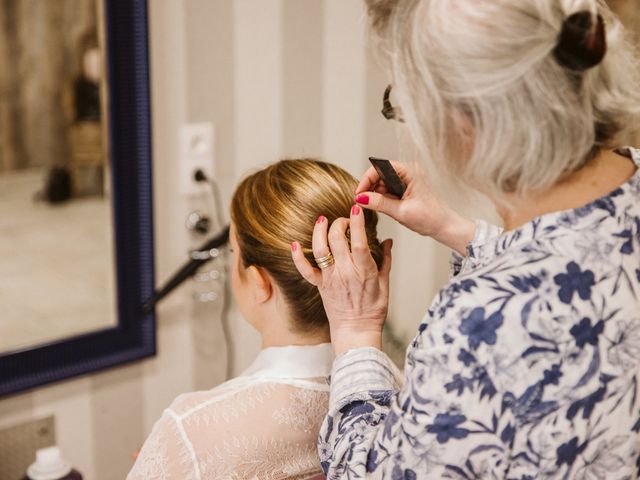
x,y
197,145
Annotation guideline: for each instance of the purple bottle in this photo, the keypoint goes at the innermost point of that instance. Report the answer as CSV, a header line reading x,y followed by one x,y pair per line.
x,y
50,465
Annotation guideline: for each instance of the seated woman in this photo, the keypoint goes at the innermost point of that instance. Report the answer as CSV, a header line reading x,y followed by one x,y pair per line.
x,y
265,423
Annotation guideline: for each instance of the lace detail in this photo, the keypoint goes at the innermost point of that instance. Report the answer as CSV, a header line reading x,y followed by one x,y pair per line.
x,y
226,410
164,455
304,412
261,426
153,459
268,459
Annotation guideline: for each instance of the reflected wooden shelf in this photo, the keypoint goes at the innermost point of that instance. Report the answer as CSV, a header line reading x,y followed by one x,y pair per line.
x,y
87,156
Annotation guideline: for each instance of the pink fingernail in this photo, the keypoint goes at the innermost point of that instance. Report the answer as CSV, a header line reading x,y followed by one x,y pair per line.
x,y
355,210
294,246
320,219
363,199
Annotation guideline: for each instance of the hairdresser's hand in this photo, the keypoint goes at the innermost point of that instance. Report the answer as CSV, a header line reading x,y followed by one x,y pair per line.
x,y
354,292
419,209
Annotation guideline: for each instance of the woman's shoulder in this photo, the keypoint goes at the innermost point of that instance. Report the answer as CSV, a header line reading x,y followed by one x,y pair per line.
x,y
573,290
239,429
561,276
252,429
562,260
243,397
187,401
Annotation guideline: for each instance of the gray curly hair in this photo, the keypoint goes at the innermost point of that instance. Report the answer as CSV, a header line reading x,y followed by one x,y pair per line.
x,y
479,87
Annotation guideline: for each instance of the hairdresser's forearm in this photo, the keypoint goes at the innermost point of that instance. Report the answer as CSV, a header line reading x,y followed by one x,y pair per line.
x,y
344,340
456,233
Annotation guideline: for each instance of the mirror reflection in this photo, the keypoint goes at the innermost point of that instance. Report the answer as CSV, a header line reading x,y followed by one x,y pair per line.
x,y
57,275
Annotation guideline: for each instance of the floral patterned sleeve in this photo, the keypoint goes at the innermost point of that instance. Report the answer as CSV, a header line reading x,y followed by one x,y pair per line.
x,y
526,365
364,402
484,232
372,431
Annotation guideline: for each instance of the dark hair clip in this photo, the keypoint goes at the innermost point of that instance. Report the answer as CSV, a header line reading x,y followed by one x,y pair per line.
x,y
389,111
580,44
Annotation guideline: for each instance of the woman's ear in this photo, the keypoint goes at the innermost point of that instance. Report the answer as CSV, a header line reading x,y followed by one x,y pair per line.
x,y
260,283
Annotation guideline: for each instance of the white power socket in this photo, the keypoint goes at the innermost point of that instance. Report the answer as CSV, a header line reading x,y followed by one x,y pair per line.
x,y
197,146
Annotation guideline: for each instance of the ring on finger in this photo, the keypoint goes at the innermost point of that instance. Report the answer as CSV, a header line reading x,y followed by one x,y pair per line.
x,y
326,261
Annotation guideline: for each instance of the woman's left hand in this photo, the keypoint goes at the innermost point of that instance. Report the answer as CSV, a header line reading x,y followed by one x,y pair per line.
x,y
354,292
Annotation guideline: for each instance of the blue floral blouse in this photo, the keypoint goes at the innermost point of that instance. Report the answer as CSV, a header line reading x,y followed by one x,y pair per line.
x,y
525,366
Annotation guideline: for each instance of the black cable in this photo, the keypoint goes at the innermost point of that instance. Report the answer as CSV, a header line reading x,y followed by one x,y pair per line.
x,y
187,270
200,176
190,268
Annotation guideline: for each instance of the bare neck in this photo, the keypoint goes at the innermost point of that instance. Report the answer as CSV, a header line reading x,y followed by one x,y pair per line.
x,y
602,175
276,331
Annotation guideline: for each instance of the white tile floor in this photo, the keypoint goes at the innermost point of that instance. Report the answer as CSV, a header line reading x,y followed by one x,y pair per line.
x,y
56,265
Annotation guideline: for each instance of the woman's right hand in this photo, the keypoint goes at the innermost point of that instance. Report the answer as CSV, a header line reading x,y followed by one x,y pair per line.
x,y
419,209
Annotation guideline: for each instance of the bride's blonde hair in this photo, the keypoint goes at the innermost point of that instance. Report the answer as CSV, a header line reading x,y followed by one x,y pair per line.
x,y
279,205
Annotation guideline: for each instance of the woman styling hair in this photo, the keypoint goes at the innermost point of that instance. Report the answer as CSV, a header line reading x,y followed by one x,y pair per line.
x,y
265,422
526,364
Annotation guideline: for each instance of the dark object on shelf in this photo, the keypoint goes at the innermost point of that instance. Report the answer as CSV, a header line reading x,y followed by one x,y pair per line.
x,y
57,188
86,100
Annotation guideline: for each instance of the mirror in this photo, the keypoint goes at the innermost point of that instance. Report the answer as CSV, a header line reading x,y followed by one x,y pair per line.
x,y
56,240
75,189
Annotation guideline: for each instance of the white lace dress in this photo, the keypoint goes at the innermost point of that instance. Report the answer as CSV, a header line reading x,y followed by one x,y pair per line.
x,y
261,425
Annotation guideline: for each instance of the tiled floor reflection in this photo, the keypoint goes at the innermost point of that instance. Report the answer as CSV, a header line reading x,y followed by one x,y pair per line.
x,y
56,265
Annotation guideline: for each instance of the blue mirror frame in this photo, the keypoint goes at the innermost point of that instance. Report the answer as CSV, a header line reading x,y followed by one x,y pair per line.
x,y
134,337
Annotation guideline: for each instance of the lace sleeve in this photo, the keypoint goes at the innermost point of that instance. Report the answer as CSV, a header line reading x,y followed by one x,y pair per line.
x,y
164,455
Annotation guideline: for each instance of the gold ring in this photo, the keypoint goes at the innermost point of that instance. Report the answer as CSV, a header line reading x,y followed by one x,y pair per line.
x,y
326,261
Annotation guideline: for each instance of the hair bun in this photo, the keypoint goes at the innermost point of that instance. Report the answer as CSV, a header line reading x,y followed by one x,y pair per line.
x,y
581,45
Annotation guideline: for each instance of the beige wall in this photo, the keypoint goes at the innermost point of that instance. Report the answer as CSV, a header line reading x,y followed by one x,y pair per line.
x,y
629,12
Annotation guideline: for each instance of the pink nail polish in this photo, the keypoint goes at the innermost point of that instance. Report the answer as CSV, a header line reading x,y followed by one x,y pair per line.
x,y
320,219
294,246
362,199
355,210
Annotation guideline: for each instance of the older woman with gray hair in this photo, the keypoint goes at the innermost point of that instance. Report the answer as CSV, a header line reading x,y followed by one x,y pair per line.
x,y
526,364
